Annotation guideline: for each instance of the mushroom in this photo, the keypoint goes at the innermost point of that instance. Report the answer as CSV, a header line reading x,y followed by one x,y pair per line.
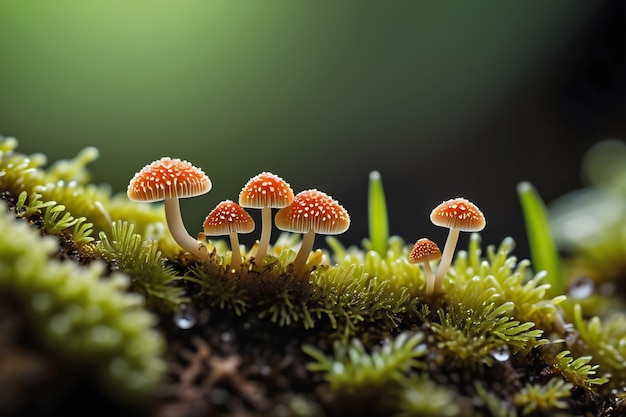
x,y
229,218
424,251
265,191
459,215
311,212
169,179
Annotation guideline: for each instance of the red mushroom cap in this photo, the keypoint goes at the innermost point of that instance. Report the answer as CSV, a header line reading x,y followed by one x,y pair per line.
x,y
228,217
458,213
266,190
424,250
168,178
313,209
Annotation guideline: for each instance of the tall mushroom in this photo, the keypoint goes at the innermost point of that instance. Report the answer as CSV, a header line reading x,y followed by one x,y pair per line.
x,y
458,215
229,218
311,212
168,180
424,251
265,191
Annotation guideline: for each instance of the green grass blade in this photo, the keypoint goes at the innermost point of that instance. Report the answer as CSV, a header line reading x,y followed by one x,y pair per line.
x,y
377,210
542,246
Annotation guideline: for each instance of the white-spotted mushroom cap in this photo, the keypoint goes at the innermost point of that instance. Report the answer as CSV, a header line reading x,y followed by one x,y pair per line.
x,y
168,178
458,213
313,210
266,190
424,250
228,217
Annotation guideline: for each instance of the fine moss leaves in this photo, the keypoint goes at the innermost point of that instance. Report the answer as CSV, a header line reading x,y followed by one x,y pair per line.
x,y
361,379
495,342
79,315
143,262
578,371
477,329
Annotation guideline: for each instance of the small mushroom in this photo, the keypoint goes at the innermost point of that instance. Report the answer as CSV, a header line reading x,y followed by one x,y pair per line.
x,y
229,218
458,215
168,180
265,191
424,251
311,212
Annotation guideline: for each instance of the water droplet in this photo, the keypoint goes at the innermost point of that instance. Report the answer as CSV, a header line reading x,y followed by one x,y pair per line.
x,y
501,353
338,368
186,317
582,287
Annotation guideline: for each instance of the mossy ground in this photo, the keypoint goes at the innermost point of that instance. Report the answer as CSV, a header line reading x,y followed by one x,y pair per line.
x,y
355,335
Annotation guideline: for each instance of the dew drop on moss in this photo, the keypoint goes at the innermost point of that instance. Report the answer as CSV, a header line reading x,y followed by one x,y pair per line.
x,y
582,287
338,368
501,353
185,318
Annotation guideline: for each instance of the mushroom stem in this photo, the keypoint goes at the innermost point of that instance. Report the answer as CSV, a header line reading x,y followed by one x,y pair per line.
x,y
446,258
235,261
179,232
305,249
430,279
266,233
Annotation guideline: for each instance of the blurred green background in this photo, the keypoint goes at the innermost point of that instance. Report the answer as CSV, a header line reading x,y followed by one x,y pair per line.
x,y
445,99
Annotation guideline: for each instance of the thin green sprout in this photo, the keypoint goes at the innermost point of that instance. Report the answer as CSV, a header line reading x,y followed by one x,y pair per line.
x,y
543,249
378,221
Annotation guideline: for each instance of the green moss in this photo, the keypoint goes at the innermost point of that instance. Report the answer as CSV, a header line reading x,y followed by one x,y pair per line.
x,y
86,320
361,380
421,396
578,371
605,341
543,398
142,260
502,340
477,330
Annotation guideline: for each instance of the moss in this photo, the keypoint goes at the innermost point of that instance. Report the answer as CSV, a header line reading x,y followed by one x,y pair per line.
x,y
87,321
543,398
100,284
142,260
361,381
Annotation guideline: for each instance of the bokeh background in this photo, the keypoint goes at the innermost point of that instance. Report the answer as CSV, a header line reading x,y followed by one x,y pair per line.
x,y
445,99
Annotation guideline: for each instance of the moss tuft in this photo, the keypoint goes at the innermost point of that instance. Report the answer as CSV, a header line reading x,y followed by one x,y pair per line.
x,y
82,318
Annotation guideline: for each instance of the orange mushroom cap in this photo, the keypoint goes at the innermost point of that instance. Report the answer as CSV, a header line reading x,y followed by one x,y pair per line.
x,y
168,178
266,190
424,250
228,217
313,210
458,213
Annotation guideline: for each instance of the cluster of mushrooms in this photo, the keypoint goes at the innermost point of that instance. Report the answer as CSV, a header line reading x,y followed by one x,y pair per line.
x,y
309,212
458,215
